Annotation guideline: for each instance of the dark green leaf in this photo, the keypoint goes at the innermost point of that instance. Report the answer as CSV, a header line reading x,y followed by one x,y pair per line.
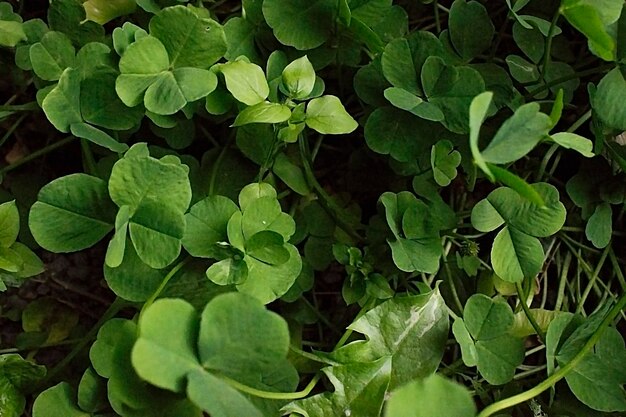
x,y
470,28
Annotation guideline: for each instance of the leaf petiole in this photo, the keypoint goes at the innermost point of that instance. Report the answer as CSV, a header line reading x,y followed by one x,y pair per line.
x,y
274,395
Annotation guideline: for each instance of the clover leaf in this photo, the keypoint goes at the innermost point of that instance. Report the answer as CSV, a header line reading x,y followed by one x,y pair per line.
x,y
234,337
157,194
417,245
11,27
517,253
58,400
607,101
484,336
146,76
465,17
111,355
444,160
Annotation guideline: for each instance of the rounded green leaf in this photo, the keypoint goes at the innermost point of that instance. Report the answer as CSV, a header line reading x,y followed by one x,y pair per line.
x,y
498,358
516,255
206,226
72,213
303,24
245,81
600,226
9,223
608,101
327,115
470,28
466,343
299,78
58,401
430,397
11,33
486,318
263,112
229,271
97,136
576,142
62,104
52,55
190,41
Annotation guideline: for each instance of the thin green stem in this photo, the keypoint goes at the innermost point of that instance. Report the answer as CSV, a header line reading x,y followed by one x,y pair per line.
x,y
20,107
325,200
36,154
562,371
286,396
366,307
216,169
307,355
163,284
90,162
565,78
113,309
563,281
593,278
545,62
12,129
522,298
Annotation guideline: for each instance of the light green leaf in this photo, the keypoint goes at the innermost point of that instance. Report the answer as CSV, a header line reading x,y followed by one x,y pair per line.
x,y
195,83
9,223
402,99
269,282
254,191
599,229
97,136
303,24
31,264
58,401
52,55
72,213
229,271
62,104
125,35
464,21
245,81
299,78
190,41
516,255
268,247
465,341
11,33
291,174
587,19
516,183
263,112
518,135
117,245
327,115
477,114
430,397
576,142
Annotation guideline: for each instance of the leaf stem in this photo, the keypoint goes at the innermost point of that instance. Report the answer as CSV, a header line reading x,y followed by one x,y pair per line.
x,y
163,284
548,46
325,200
20,107
270,395
562,371
522,298
36,154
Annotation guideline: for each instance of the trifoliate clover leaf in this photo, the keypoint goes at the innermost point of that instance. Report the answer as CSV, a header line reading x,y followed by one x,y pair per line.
x,y
517,253
234,337
444,160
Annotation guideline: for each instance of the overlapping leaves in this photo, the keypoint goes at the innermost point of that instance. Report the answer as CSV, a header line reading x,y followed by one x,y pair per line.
x,y
234,338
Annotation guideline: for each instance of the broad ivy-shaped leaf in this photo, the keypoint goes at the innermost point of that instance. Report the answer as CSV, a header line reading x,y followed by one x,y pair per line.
x,y
234,337
72,213
412,331
157,194
431,396
303,24
146,77
359,391
16,376
444,160
111,358
517,253
466,17
327,115
484,336
417,245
